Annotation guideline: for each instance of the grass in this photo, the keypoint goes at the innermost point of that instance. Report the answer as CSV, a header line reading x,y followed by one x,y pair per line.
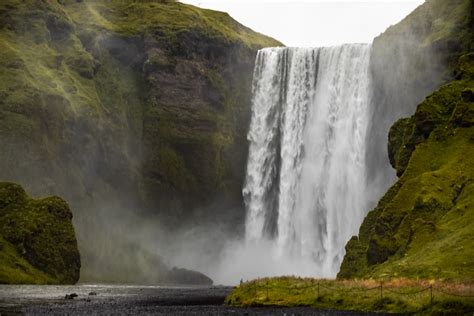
x,y
168,19
434,236
433,23
16,270
396,295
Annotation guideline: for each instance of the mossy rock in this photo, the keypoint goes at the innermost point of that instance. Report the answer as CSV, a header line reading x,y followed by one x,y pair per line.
x,y
423,226
399,146
37,239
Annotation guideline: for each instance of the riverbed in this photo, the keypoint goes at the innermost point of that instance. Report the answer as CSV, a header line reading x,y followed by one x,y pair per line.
x,y
132,299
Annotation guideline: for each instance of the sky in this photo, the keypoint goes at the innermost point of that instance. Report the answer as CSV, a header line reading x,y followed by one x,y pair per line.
x,y
315,23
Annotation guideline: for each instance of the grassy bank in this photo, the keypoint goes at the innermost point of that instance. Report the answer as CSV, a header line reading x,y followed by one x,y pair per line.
x,y
398,295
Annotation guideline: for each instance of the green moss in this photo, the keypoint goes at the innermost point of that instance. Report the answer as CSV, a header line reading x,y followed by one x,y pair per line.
x,y
170,171
465,67
16,270
399,146
37,242
168,20
423,226
57,91
434,245
452,17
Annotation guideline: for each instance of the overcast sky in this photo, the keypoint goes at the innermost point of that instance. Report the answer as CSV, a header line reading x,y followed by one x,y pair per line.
x,y
315,22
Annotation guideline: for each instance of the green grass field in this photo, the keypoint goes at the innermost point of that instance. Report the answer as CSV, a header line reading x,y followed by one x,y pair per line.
x,y
397,295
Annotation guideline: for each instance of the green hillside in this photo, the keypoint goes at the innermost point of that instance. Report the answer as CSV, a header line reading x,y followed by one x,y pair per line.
x,y
423,226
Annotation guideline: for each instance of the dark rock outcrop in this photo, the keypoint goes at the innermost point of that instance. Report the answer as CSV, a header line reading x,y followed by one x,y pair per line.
x,y
184,276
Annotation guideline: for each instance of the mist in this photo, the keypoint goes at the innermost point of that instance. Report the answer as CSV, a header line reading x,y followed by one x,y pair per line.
x,y
243,261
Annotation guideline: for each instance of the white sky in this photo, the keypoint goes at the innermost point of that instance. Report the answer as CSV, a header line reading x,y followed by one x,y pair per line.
x,y
315,22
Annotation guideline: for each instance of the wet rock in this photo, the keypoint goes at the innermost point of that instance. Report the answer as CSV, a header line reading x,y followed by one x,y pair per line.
x,y
70,296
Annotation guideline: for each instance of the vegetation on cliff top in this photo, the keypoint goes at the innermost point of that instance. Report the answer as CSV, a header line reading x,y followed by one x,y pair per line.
x,y
166,19
37,240
440,30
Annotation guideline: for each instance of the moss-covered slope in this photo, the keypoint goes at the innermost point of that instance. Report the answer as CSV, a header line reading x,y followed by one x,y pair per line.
x,y
141,103
37,240
423,226
105,94
65,111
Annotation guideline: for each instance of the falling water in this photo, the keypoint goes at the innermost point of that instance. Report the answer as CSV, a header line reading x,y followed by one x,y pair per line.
x,y
306,172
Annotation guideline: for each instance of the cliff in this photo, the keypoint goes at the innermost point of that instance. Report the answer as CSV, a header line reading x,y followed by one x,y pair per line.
x,y
409,61
37,239
422,227
142,106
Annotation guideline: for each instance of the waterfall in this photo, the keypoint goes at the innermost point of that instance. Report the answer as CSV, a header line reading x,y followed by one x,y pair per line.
x,y
305,187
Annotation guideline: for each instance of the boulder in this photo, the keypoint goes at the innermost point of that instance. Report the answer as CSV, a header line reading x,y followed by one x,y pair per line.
x,y
37,239
190,277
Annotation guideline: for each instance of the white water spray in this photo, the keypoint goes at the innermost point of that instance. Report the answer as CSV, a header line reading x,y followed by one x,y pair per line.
x,y
305,190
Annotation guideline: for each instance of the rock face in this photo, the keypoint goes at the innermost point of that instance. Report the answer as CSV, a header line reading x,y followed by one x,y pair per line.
x,y
37,239
423,226
196,119
143,104
151,98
